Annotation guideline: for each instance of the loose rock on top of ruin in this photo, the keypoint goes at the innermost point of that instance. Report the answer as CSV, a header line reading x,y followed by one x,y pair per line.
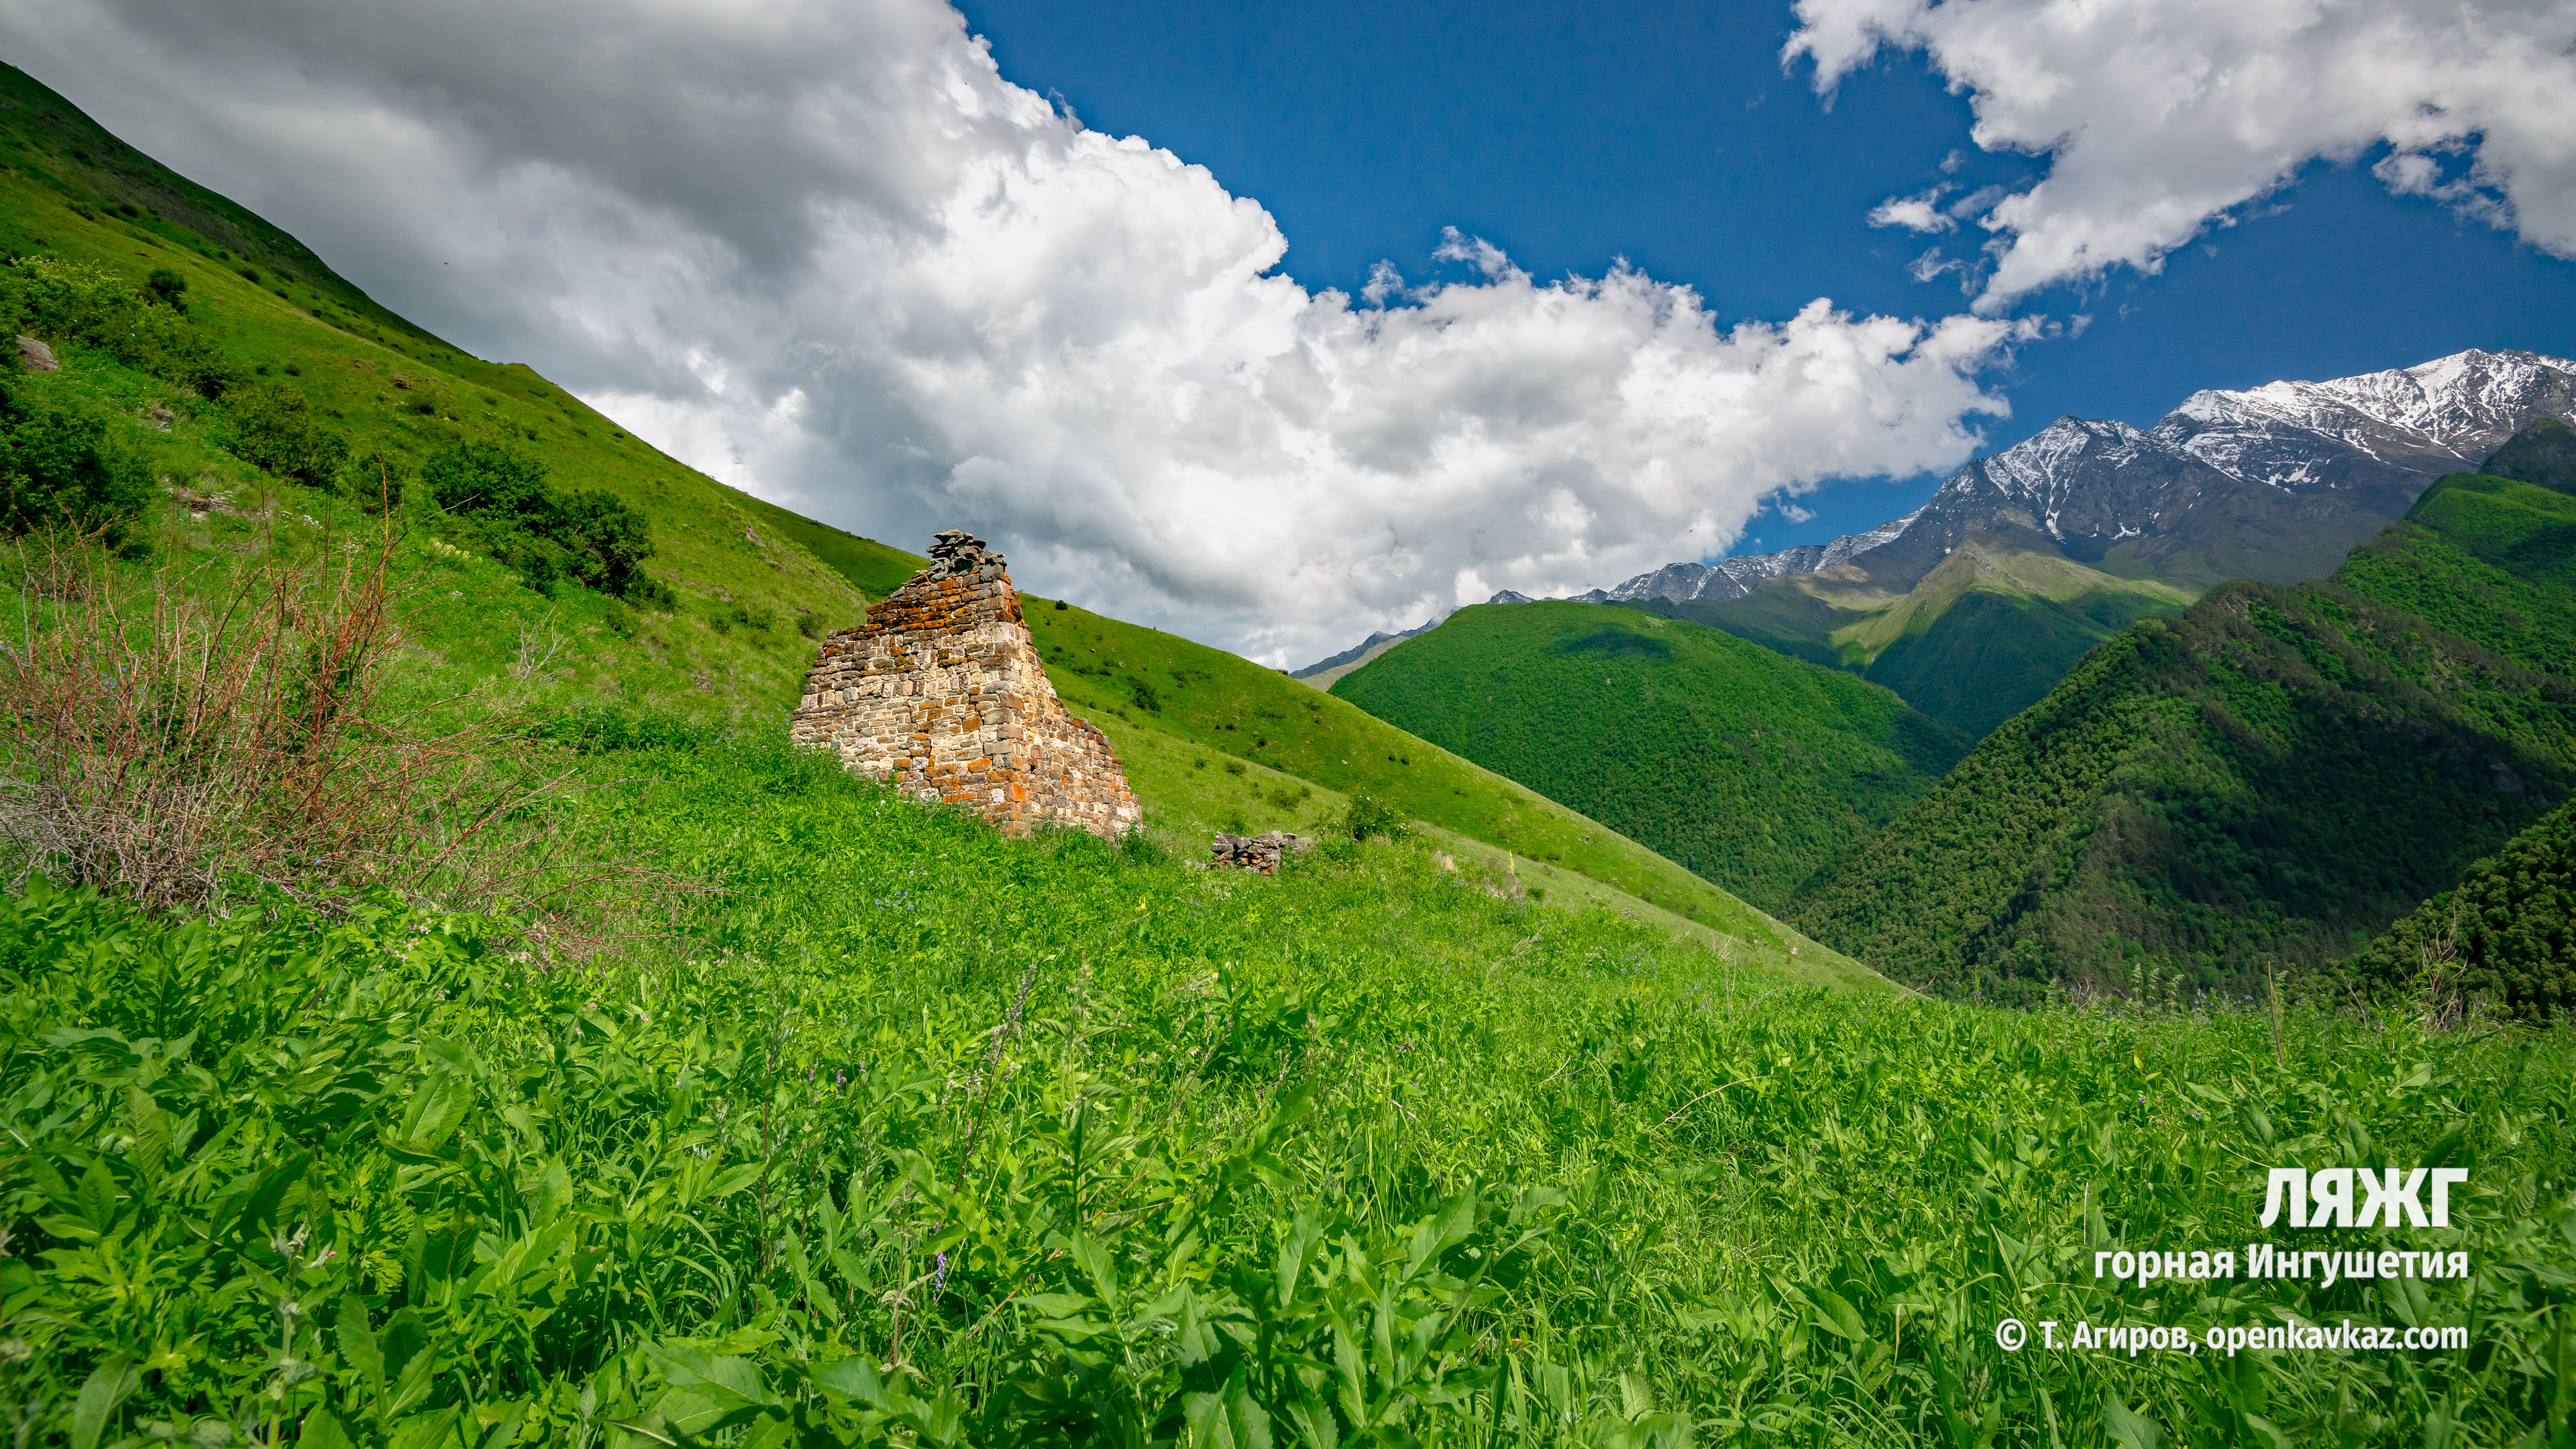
x,y
941,693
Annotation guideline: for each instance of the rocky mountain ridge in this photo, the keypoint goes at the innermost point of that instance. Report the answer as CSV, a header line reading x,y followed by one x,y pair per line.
x,y
2275,483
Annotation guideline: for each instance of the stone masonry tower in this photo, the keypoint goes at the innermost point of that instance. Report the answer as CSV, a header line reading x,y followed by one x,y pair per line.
x,y
941,693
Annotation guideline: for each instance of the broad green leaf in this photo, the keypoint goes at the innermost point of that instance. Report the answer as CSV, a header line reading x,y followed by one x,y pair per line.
x,y
107,1386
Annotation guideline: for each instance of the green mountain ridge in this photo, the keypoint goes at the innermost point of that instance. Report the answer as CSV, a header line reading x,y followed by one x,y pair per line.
x,y
2506,933
1981,637
1749,767
2269,779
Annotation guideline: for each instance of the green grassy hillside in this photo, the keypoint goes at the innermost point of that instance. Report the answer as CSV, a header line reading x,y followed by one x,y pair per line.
x,y
1978,640
2272,777
1162,697
752,585
781,1110
916,1135
303,345
1750,768
1215,701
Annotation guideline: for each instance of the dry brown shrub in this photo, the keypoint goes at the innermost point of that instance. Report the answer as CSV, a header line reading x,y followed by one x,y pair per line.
x,y
180,733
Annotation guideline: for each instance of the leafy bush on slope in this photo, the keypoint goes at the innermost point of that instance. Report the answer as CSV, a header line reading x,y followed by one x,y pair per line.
x,y
501,499
61,468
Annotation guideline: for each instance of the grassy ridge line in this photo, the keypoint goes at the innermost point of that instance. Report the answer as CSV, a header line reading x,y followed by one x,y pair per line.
x,y
473,626
1749,767
873,568
1994,565
734,645
1126,676
1983,636
1221,702
2272,777
1192,791
47,141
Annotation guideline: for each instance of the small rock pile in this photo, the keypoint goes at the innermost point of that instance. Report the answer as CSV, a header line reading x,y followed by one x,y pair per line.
x,y
1260,853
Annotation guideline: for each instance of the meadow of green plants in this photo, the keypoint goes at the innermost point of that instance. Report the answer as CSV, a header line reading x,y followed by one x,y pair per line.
x,y
908,1133
438,1009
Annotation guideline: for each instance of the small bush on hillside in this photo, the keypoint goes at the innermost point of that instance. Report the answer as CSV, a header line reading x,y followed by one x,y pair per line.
x,y
502,500
274,426
70,300
60,467
167,287
170,736
374,479
1371,816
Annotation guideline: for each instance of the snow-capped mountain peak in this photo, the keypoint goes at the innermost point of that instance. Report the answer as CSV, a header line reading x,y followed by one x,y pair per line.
x,y
2280,480
2457,408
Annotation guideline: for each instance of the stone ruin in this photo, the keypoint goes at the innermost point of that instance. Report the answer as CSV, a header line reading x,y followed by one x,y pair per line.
x,y
941,693
1261,853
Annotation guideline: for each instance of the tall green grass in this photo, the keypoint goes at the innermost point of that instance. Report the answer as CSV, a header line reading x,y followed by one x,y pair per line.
x,y
913,1134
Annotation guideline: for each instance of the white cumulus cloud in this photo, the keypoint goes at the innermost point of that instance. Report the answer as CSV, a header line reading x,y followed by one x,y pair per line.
x,y
1914,213
2159,118
825,251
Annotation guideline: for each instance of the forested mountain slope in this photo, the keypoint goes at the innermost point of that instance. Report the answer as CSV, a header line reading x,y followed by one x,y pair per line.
x,y
1749,767
1981,637
2505,935
2272,777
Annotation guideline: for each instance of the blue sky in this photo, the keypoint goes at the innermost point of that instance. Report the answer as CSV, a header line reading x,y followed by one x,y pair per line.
x,y
1671,136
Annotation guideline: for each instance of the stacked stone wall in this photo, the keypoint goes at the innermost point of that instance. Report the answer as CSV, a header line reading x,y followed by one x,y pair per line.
x,y
941,693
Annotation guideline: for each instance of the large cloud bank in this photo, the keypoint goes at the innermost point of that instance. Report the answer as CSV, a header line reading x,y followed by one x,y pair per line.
x,y
825,251
2160,117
